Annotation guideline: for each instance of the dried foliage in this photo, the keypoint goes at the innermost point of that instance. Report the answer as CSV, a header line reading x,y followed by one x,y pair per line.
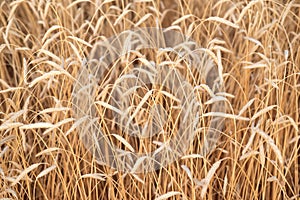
x,y
254,44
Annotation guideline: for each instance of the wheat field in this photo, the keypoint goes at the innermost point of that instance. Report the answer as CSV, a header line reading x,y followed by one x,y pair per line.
x,y
254,46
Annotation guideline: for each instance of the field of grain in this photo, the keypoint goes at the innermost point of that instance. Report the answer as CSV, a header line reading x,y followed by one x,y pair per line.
x,y
254,46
